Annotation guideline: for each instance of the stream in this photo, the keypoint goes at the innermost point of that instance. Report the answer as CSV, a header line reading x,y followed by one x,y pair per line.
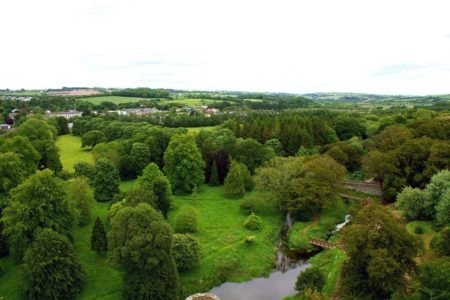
x,y
280,283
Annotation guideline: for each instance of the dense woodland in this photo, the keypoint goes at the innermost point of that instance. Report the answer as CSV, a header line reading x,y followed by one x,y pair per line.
x,y
283,154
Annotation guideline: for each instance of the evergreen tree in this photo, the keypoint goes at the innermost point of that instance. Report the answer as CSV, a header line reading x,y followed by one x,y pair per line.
x,y
234,182
106,181
99,242
214,178
162,195
150,174
51,269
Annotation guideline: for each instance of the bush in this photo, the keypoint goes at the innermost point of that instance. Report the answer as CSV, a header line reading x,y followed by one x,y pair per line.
x,y
226,268
250,239
311,278
418,229
253,222
259,203
441,241
186,220
186,251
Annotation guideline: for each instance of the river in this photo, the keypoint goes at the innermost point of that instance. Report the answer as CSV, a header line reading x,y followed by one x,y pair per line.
x,y
280,283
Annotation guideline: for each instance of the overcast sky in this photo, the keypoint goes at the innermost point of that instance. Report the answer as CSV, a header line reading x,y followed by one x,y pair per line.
x,y
385,47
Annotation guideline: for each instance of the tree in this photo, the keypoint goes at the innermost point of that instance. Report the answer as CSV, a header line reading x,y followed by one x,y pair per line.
x,y
28,154
434,278
186,251
276,145
11,172
311,278
347,127
42,136
92,138
443,209
139,195
183,164
234,182
392,137
214,177
107,180
380,251
80,195
436,190
252,154
249,184
441,241
84,169
253,222
51,269
162,195
302,184
411,203
140,244
38,202
141,156
99,242
150,174
63,126
186,220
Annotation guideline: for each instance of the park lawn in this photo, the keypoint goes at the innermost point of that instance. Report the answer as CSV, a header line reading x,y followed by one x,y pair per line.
x,y
426,237
225,255
70,151
113,99
198,129
319,227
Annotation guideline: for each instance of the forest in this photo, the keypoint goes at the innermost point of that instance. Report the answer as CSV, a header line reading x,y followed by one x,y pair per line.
x,y
179,202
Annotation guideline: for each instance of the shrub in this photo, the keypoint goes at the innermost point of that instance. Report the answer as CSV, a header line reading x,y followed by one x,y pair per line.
x,y
250,239
418,229
186,251
259,203
84,169
253,222
99,242
186,220
226,268
311,278
441,241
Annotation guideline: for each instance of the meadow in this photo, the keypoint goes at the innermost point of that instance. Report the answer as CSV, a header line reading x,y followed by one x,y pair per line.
x,y
113,99
225,255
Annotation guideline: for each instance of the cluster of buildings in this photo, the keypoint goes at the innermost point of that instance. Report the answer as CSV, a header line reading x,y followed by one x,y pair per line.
x,y
16,98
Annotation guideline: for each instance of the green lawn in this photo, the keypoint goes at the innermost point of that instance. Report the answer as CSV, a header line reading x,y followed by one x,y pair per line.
x,y
190,101
428,233
113,99
70,151
221,234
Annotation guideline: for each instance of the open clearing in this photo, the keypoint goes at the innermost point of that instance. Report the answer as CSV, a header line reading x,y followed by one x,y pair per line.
x,y
70,151
113,99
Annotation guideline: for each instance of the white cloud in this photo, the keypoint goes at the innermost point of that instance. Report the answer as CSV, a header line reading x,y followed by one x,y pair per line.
x,y
290,46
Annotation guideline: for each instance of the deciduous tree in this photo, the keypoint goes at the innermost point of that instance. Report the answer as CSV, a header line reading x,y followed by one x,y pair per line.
x,y
107,180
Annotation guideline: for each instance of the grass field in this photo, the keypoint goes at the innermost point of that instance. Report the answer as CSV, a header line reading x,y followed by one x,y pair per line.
x,y
113,99
191,101
197,129
70,151
330,263
221,234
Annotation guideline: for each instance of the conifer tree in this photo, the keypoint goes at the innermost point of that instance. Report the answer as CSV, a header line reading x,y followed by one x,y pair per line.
x,y
99,242
214,178
234,182
162,194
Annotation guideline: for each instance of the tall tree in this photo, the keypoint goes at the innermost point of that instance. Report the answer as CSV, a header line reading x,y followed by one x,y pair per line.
x,y
140,244
81,197
234,186
162,195
28,154
39,202
183,164
51,269
380,251
99,241
92,138
214,177
107,180
11,172
141,156
150,174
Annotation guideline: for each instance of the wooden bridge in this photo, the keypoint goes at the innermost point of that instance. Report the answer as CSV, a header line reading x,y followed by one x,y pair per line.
x,y
325,244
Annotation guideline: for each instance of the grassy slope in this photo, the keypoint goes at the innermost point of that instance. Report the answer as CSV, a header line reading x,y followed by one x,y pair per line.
x,y
70,151
426,237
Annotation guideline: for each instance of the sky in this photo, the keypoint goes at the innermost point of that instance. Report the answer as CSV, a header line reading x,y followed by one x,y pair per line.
x,y
383,47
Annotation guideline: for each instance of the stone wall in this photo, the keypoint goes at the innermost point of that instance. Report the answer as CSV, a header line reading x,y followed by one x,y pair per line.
x,y
370,188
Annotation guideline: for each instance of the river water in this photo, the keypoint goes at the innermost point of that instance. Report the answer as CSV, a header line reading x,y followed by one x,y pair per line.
x,y
280,283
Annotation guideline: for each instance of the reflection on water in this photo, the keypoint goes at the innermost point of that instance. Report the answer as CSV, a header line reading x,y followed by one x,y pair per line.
x,y
274,287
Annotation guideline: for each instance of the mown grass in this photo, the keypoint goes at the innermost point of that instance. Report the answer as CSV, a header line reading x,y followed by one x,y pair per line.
x,y
426,254
70,151
113,99
330,263
319,227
